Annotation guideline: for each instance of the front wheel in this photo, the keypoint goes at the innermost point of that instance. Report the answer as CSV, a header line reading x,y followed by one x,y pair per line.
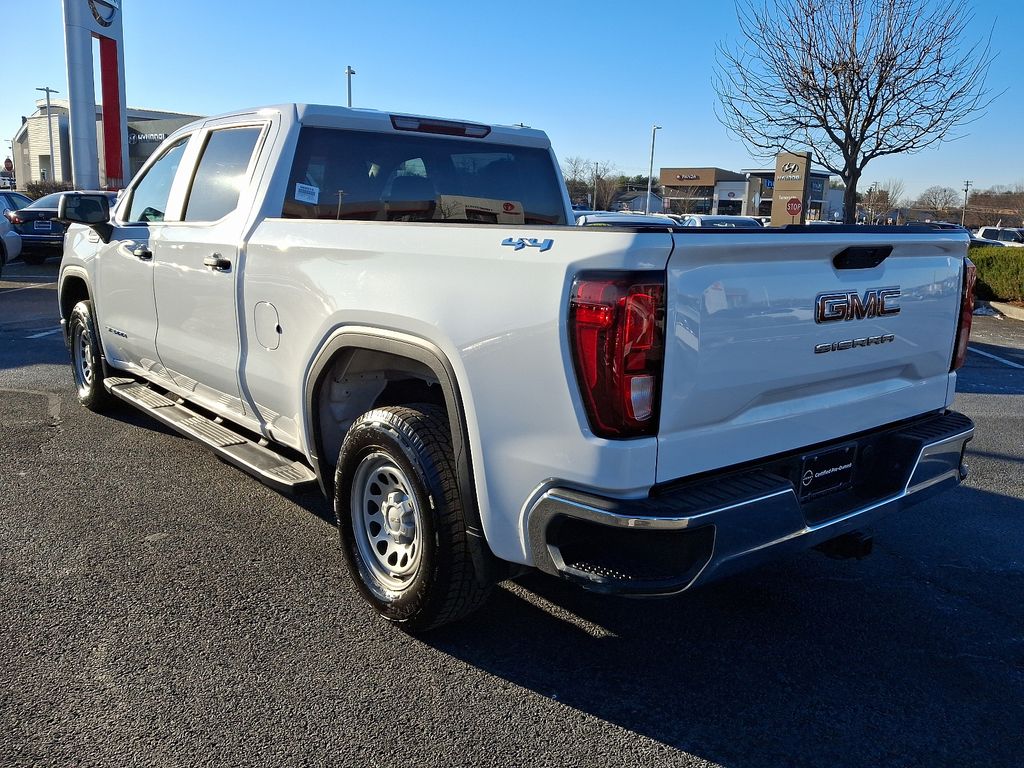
x,y
401,520
86,364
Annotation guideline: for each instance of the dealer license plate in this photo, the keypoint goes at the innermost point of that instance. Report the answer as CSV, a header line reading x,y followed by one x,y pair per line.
x,y
827,471
43,226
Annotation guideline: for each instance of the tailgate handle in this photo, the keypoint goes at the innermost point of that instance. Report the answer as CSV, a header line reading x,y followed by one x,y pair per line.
x,y
861,256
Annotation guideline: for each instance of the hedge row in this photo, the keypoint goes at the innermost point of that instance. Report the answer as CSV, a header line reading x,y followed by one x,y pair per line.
x,y
37,189
1000,273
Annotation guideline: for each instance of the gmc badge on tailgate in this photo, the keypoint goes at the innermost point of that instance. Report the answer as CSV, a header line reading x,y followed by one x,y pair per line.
x,y
848,305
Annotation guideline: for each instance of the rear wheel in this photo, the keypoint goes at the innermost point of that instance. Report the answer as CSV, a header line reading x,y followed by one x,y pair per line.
x,y
86,363
401,518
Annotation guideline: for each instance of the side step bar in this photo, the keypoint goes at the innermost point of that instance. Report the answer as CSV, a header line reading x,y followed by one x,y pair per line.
x,y
263,463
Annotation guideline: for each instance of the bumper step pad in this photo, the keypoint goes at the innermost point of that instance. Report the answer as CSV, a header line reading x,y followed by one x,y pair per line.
x,y
264,463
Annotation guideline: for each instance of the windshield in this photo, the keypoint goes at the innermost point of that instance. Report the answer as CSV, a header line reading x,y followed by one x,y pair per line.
x,y
49,201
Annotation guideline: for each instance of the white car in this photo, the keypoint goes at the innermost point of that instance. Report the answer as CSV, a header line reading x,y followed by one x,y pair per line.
x,y
1012,236
613,219
735,222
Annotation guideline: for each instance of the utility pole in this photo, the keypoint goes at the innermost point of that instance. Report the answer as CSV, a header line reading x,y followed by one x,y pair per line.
x,y
650,171
348,75
594,206
49,129
963,215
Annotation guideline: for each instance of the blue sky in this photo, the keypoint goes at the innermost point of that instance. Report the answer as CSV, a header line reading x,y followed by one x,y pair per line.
x,y
595,76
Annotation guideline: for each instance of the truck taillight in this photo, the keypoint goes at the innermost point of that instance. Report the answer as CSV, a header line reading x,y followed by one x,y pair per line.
x,y
963,331
617,335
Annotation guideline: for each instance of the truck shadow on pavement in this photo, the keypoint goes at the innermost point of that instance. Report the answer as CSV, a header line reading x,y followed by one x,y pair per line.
x,y
19,352
911,657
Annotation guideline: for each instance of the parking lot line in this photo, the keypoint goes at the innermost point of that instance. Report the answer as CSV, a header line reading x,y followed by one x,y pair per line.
x,y
44,333
1002,360
24,287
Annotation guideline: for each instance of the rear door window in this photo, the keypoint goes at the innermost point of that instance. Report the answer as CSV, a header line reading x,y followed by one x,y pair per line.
x,y
356,175
221,173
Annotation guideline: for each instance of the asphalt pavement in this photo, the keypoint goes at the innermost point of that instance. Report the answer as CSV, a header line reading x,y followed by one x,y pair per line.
x,y
158,607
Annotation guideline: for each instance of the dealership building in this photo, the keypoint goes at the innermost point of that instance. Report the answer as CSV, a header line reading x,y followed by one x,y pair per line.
x,y
31,144
749,192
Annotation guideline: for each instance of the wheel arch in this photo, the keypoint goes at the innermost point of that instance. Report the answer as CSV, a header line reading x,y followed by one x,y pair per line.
x,y
73,288
418,358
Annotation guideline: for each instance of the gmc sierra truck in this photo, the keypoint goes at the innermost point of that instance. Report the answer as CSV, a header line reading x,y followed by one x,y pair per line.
x,y
400,309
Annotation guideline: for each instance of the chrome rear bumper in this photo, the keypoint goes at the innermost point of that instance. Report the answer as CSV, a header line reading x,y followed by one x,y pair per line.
x,y
689,533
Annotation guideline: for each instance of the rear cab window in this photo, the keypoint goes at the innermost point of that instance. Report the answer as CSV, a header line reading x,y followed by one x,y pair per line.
x,y
355,175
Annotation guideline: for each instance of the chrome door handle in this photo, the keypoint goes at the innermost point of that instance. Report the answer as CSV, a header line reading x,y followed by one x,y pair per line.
x,y
217,263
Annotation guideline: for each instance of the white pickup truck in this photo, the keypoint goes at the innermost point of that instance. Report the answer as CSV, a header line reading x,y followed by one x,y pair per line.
x,y
399,309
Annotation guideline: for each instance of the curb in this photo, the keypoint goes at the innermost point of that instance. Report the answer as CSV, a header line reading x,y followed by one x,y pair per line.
x,y
1008,310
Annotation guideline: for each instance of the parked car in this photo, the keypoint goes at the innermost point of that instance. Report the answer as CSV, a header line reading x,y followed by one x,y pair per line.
x,y
10,240
975,242
10,243
12,201
41,235
1013,236
736,222
611,219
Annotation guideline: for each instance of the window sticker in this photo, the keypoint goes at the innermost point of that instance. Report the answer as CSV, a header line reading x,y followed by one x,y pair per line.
x,y
307,193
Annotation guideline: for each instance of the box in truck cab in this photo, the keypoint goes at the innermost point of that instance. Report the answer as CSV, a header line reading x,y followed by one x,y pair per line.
x,y
400,310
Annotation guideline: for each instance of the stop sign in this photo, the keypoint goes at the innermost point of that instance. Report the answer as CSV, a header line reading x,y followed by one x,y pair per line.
x,y
794,206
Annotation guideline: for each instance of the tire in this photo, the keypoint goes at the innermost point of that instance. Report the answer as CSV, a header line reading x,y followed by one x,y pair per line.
x,y
35,258
86,365
401,520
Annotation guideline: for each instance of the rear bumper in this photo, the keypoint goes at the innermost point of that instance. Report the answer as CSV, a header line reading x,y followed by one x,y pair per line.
x,y
42,240
690,533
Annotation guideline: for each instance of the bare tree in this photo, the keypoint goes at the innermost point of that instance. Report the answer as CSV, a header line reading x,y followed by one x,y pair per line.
x,y
581,175
576,171
851,80
895,193
690,199
939,199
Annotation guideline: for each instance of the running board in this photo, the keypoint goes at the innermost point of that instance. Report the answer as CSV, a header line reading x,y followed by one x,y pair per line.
x,y
263,463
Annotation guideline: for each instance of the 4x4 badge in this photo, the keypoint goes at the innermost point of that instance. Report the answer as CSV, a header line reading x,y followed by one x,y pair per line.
x,y
523,242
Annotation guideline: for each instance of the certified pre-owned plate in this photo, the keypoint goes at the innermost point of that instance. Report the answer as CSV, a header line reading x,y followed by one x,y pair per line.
x,y
827,471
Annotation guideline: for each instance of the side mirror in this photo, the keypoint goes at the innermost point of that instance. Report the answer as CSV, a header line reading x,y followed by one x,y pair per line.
x,y
85,208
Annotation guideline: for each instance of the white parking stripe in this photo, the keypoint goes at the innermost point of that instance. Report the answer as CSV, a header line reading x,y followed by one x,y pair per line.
x,y
44,333
24,287
1002,360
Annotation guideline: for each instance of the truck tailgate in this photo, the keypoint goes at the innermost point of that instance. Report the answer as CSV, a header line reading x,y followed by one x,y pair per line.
x,y
751,372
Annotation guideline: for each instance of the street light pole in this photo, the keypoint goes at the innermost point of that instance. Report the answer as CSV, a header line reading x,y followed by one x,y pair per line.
x,y
348,76
650,171
963,215
49,127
